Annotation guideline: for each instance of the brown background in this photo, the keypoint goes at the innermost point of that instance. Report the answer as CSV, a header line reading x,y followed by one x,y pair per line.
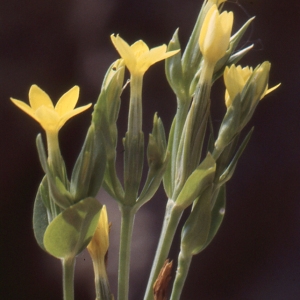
x,y
57,44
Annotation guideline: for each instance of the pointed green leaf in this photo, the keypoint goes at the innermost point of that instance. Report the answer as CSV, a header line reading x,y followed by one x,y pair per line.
x,y
173,69
227,174
71,231
167,179
40,219
196,228
197,182
59,198
90,166
230,124
217,215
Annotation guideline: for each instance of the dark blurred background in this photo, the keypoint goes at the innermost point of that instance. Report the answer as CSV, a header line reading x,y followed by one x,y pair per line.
x,y
57,44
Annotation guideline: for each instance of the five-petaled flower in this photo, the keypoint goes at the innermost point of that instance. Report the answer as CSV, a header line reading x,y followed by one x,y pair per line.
x,y
137,57
235,78
215,34
43,111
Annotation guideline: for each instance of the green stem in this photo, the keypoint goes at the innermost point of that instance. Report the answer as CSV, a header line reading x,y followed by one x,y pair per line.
x,y
181,274
133,143
171,220
181,115
68,265
135,106
127,221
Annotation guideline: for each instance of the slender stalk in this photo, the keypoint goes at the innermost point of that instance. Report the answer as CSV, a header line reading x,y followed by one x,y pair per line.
x,y
127,221
171,220
68,265
184,263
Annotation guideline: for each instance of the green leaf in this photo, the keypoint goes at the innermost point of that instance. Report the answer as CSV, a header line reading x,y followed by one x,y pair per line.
x,y
60,199
40,216
197,182
71,231
227,174
157,161
88,172
173,69
167,179
196,228
217,215
230,125
235,39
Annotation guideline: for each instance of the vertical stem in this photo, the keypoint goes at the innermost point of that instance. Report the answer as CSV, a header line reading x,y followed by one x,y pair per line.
x,y
171,220
127,221
135,106
184,263
68,265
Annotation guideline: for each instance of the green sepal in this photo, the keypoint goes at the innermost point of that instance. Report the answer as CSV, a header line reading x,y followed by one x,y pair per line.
x,y
173,69
167,179
40,220
253,91
230,125
133,166
156,150
227,174
197,182
228,60
235,39
217,215
211,137
104,118
71,231
108,103
237,56
196,229
157,160
89,168
63,191
59,198
192,56
192,137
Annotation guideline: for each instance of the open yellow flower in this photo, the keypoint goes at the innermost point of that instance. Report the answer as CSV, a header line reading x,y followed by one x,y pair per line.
x,y
137,57
235,79
215,34
43,111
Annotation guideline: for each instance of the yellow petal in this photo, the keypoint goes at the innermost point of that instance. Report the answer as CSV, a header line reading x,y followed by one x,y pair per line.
x,y
63,119
98,246
215,34
26,108
67,101
48,118
155,55
125,51
267,91
233,81
139,48
37,98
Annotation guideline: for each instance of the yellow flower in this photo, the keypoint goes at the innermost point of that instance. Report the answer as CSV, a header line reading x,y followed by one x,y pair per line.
x,y
137,57
235,79
98,246
215,34
43,111
217,2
